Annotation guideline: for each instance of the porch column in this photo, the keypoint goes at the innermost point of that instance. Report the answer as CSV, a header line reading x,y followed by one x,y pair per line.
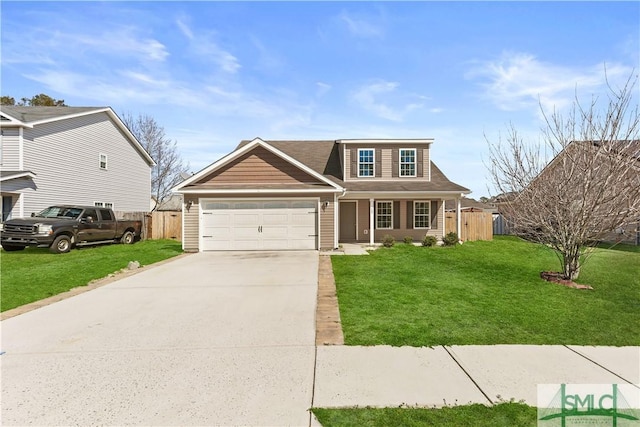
x,y
458,218
371,221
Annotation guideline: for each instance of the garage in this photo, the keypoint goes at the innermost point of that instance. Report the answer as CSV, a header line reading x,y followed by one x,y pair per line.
x,y
251,225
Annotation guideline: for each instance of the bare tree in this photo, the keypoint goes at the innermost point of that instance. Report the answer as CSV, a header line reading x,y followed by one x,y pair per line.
x,y
579,182
169,167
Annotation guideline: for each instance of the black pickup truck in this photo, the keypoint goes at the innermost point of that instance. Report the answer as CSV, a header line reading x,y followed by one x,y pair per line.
x,y
62,227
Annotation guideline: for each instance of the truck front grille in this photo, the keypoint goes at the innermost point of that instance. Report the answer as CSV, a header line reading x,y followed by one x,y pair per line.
x,y
12,228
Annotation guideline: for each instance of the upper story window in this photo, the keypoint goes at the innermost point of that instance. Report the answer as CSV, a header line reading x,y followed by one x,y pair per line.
x,y
408,162
103,161
366,162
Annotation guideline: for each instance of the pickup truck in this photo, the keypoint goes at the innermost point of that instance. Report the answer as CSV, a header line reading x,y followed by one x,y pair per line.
x,y
62,227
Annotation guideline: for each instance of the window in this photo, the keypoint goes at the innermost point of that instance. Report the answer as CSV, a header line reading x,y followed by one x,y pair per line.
x,y
90,213
384,215
103,205
421,214
106,215
103,161
408,162
366,162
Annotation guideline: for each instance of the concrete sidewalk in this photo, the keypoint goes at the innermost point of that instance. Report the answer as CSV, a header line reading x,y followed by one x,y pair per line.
x,y
385,376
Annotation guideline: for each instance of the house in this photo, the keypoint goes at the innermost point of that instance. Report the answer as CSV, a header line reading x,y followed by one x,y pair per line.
x,y
271,195
71,155
468,204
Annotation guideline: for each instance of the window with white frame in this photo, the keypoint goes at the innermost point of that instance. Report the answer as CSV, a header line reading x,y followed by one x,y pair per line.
x,y
408,162
103,161
384,215
366,162
421,214
103,205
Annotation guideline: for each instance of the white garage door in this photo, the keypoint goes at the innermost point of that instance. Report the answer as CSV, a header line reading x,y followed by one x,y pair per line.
x,y
248,225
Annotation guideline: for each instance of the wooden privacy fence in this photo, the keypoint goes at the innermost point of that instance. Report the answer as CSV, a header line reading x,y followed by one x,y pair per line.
x,y
166,225
137,216
474,225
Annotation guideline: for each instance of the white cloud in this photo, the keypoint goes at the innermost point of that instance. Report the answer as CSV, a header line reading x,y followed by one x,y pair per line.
x,y
322,88
377,97
521,81
360,27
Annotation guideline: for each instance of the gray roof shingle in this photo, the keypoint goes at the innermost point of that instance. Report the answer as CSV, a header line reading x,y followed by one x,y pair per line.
x,y
35,114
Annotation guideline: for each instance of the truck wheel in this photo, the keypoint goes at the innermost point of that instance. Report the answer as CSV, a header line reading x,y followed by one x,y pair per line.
x,y
61,245
127,238
12,248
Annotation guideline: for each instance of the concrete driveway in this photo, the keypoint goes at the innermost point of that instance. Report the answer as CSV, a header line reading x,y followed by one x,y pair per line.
x,y
208,339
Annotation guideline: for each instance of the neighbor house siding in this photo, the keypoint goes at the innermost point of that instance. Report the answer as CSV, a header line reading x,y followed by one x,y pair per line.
x,y
64,154
10,160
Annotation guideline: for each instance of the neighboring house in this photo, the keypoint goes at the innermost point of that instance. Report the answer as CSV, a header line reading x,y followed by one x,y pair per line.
x,y
315,194
469,205
70,155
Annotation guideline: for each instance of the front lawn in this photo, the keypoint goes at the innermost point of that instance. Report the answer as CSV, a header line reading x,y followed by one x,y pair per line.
x,y
35,273
485,293
504,414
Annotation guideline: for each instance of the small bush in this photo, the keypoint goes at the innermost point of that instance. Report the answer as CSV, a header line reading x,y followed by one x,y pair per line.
x,y
388,241
451,239
429,241
408,240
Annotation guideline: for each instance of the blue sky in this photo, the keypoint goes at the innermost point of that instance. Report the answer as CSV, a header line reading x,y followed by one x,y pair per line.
x,y
215,73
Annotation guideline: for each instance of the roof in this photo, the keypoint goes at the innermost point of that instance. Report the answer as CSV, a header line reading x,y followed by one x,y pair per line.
x,y
467,202
24,116
9,175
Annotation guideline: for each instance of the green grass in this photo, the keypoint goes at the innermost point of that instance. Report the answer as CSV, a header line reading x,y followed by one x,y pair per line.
x,y
504,414
485,293
35,273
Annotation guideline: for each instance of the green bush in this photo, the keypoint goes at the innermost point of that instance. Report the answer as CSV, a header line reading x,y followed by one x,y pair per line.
x,y
388,241
429,241
451,239
408,240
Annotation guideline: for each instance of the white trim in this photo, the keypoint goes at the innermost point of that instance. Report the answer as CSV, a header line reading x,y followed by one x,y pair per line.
x,y
237,153
372,228
336,223
106,161
346,168
415,163
428,202
386,141
376,223
373,163
13,121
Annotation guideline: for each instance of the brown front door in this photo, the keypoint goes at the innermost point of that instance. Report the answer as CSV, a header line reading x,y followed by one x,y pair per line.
x,y
348,221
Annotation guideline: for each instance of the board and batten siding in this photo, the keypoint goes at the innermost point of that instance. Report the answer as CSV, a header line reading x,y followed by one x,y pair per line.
x,y
386,161
10,155
64,155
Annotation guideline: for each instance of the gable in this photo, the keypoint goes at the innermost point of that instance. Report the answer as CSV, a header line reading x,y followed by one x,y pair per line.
x,y
258,166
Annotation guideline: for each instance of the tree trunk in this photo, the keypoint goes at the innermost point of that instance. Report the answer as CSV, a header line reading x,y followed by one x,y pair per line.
x,y
571,263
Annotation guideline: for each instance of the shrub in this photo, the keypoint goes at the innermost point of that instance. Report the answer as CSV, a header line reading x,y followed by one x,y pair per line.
x,y
429,241
388,241
408,240
451,239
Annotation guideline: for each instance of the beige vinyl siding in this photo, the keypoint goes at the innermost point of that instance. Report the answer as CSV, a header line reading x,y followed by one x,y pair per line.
x,y
10,149
385,167
327,222
190,219
65,157
259,166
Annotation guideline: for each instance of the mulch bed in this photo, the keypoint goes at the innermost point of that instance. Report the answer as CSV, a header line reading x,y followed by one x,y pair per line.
x,y
555,277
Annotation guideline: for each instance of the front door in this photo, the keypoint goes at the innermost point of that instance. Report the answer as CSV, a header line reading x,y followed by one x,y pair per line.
x,y
348,221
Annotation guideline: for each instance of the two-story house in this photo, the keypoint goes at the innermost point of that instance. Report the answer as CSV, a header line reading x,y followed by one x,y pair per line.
x,y
271,195
70,155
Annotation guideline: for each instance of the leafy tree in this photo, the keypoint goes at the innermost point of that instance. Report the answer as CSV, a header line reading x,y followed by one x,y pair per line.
x,y
40,100
169,168
580,182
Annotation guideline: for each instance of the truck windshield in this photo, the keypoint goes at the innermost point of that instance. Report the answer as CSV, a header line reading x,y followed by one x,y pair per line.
x,y
60,211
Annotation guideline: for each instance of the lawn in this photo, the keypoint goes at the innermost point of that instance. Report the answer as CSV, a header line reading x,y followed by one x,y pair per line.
x,y
485,293
35,273
504,414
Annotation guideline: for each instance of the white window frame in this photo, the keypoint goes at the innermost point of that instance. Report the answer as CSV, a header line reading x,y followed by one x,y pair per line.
x,y
106,161
428,202
103,205
414,163
372,163
378,203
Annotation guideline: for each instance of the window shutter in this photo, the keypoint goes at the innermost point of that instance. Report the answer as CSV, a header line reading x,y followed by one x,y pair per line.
x,y
354,162
409,214
396,215
434,214
395,161
378,164
419,161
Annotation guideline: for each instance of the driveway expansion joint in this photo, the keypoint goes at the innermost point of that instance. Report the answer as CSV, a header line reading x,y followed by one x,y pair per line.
x,y
468,375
